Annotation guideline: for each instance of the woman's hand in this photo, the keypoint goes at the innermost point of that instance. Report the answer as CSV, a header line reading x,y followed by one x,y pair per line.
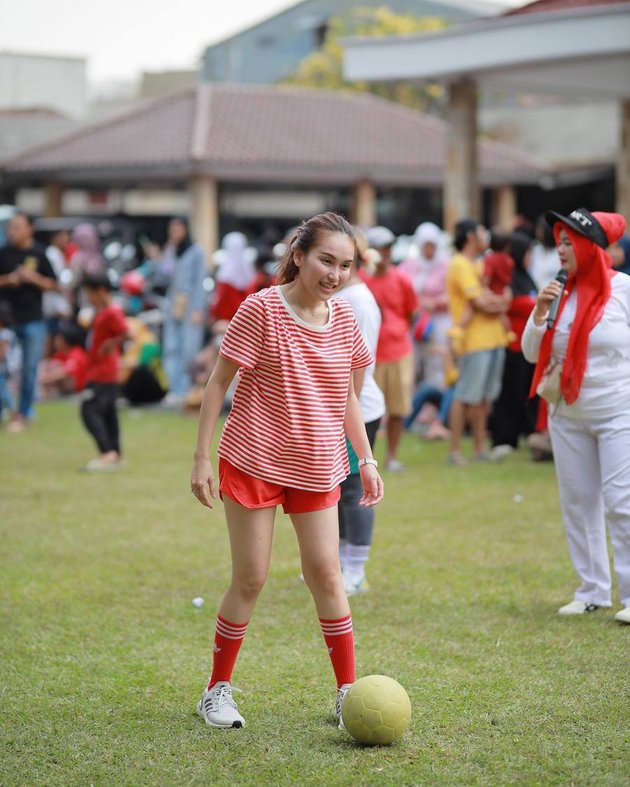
x,y
202,483
544,300
196,317
372,485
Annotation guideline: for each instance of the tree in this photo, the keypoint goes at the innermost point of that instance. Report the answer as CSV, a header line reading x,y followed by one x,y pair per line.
x,y
324,68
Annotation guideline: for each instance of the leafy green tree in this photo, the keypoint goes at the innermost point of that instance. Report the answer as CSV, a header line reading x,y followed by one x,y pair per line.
x,y
324,68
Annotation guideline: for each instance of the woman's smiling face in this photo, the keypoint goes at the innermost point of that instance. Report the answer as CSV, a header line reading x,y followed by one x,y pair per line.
x,y
325,267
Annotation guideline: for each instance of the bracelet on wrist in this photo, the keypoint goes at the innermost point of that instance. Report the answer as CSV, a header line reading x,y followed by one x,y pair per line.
x,y
368,461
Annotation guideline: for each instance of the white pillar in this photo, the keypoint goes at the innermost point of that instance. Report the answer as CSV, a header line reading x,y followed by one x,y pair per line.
x,y
364,204
53,195
204,218
503,207
461,192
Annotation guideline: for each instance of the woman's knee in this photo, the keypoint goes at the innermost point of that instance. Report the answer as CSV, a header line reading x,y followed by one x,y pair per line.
x,y
324,578
249,585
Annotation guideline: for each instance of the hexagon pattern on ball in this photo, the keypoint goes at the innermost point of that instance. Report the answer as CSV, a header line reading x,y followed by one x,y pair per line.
x,y
376,710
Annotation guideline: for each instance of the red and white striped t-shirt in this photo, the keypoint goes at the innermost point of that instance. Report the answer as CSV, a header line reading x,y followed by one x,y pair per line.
x,y
286,421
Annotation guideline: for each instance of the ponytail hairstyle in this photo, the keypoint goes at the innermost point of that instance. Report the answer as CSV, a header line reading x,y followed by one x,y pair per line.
x,y
306,236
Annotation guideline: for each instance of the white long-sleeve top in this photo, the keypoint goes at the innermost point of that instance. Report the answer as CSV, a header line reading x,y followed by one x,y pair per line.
x,y
368,316
606,384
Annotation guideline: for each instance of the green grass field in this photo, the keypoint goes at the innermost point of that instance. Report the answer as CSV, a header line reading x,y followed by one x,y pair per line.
x,y
104,655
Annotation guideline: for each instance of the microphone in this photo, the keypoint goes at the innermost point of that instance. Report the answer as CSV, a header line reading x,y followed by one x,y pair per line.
x,y
555,303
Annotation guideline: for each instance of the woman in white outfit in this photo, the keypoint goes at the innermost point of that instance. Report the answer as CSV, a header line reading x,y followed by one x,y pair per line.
x,y
590,421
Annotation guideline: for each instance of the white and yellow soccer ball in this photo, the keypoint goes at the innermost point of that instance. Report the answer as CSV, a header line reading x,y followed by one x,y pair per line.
x,y
376,710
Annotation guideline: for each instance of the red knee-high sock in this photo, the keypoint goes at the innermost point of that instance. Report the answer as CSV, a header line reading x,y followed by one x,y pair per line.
x,y
340,641
228,638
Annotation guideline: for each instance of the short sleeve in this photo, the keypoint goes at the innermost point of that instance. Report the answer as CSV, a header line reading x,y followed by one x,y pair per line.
x,y
116,323
361,356
468,282
244,338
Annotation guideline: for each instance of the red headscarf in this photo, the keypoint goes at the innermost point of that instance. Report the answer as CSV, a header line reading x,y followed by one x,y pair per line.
x,y
592,281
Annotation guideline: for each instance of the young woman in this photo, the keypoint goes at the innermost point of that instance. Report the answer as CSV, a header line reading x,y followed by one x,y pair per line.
x,y
589,423
295,348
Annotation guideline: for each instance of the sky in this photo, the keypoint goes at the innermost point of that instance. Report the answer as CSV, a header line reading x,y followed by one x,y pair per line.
x,y
121,38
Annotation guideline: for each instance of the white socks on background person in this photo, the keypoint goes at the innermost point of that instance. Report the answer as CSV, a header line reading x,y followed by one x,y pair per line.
x,y
355,560
343,553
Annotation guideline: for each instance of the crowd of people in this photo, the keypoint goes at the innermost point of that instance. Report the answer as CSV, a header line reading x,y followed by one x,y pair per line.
x,y
326,338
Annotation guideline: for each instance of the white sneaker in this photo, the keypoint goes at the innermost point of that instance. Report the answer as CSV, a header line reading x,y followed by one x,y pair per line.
x,y
218,709
623,616
577,608
341,693
500,452
353,586
394,466
97,465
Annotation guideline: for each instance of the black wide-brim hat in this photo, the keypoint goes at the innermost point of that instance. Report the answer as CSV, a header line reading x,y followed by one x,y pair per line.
x,y
582,221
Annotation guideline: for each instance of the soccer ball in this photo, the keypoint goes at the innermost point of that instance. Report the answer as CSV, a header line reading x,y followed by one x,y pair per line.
x,y
376,710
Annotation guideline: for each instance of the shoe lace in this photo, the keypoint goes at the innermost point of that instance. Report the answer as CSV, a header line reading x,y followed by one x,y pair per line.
x,y
341,693
215,699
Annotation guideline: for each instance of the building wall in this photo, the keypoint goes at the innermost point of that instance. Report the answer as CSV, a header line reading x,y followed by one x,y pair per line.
x,y
58,83
273,49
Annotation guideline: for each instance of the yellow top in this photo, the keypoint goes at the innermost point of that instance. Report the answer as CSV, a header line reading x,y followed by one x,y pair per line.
x,y
463,284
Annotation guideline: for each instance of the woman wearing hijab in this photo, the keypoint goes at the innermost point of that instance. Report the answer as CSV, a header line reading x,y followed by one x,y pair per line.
x,y
512,414
428,274
589,421
234,277
87,259
185,308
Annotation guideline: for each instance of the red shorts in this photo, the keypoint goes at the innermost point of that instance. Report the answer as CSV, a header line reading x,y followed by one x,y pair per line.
x,y
252,492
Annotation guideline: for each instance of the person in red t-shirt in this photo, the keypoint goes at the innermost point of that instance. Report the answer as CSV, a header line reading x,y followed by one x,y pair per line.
x,y
397,300
64,372
98,401
296,349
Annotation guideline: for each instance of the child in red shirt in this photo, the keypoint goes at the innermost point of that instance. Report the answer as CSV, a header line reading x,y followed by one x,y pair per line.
x,y
64,372
98,402
498,264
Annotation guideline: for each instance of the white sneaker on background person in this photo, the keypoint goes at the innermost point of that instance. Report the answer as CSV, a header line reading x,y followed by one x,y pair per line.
x,y
577,608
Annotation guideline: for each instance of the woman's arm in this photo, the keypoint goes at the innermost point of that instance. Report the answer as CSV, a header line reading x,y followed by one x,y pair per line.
x,y
535,328
358,378
202,480
355,430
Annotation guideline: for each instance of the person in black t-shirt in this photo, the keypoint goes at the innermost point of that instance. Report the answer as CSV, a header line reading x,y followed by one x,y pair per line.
x,y
25,273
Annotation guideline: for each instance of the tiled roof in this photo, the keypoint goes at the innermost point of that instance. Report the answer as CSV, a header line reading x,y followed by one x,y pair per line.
x,y
238,132
544,6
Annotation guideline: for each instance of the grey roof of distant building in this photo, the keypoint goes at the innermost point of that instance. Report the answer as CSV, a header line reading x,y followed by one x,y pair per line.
x,y
21,129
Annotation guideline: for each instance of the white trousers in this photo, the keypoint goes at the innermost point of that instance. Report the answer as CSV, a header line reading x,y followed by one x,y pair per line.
x,y
592,459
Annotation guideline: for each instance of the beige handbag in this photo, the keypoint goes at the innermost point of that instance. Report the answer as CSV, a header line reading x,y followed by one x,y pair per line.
x,y
549,385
